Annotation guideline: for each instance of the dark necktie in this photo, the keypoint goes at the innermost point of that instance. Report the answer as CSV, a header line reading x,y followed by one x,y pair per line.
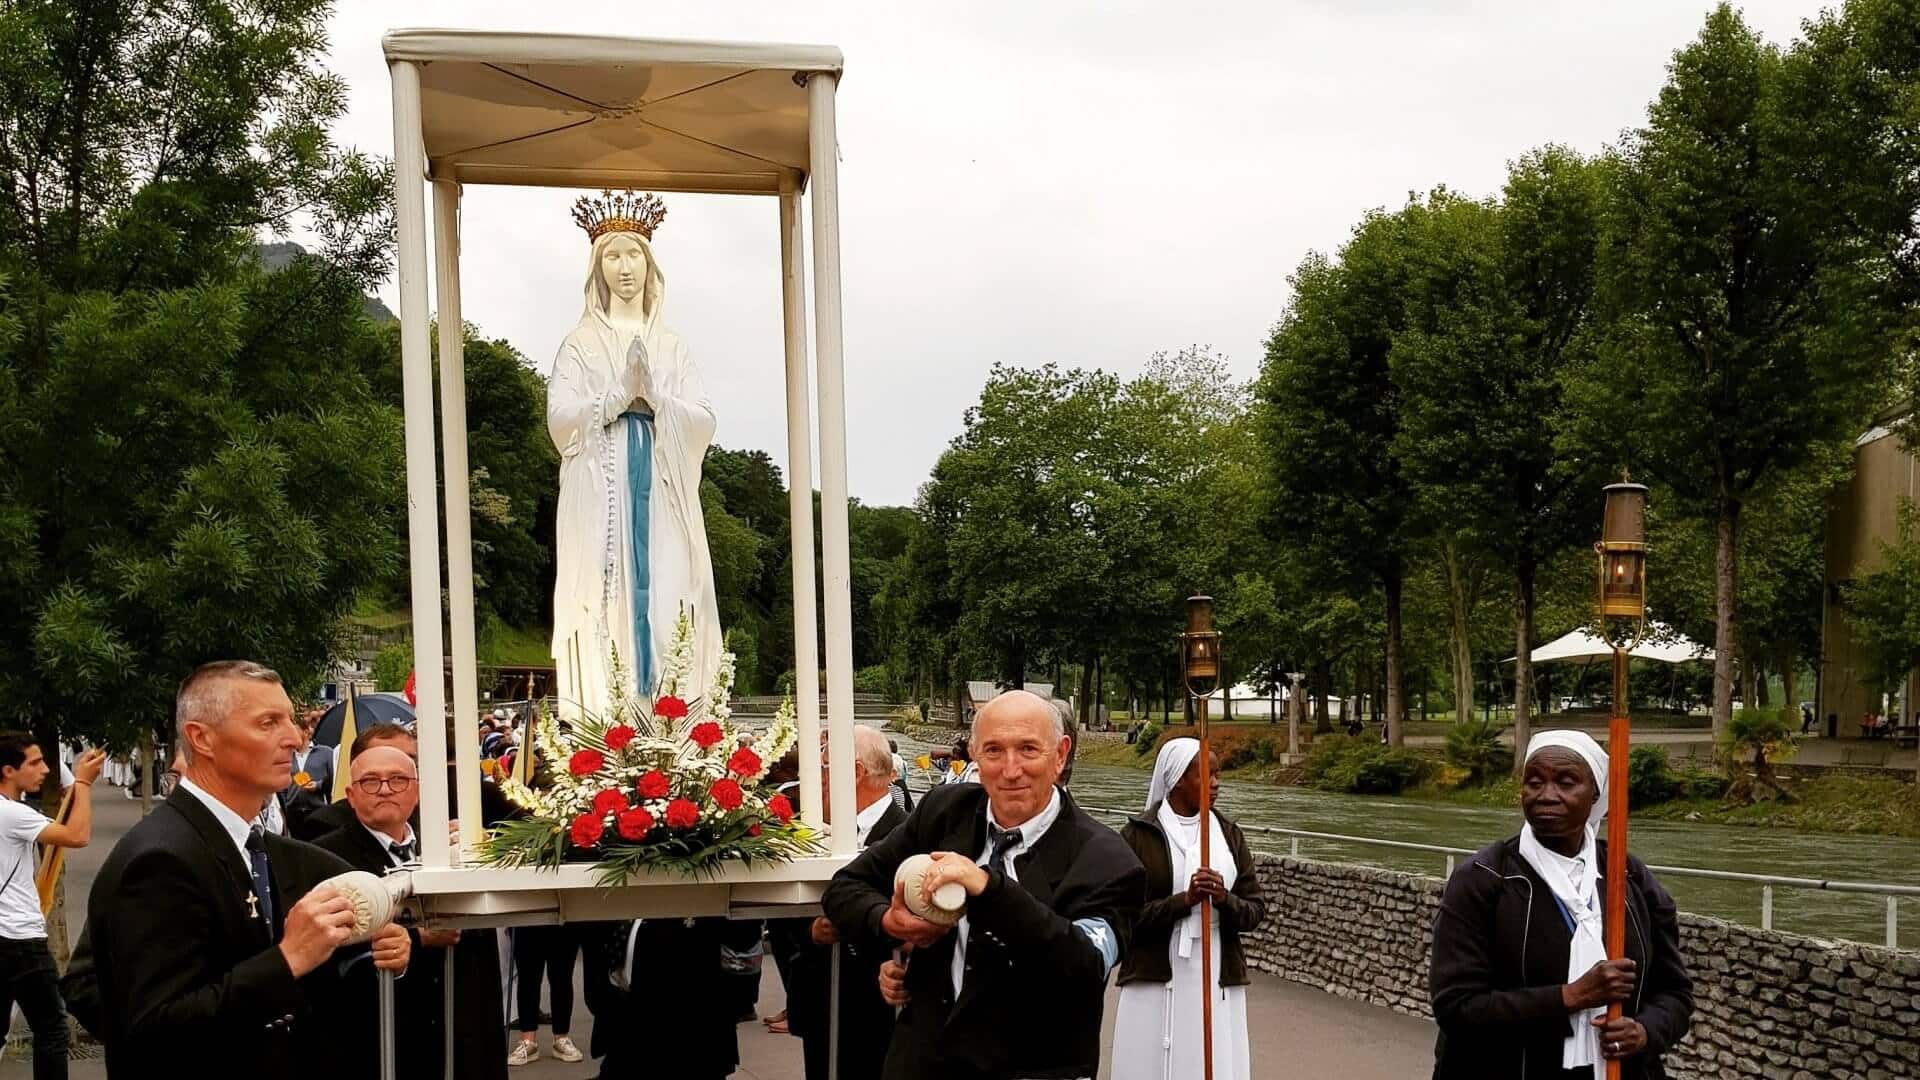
x,y
1003,841
402,852
262,874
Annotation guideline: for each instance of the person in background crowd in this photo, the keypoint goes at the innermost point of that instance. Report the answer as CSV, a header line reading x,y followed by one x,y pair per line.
x,y
1520,978
866,1021
960,766
210,936
29,977
547,952
902,798
1051,899
1157,1032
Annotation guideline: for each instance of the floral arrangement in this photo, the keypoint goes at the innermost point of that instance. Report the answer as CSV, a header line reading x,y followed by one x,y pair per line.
x,y
669,784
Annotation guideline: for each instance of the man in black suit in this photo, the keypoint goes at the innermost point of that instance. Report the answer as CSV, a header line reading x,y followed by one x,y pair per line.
x,y
1051,899
866,1021
211,946
384,793
302,799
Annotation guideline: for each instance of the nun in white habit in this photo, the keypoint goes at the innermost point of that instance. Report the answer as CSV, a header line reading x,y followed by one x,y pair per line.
x,y
1158,1033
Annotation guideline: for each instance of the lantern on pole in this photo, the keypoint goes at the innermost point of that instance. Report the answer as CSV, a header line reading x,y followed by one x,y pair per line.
x,y
1622,614
1200,665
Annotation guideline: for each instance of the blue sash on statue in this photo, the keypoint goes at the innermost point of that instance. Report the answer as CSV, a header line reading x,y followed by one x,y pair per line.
x,y
639,499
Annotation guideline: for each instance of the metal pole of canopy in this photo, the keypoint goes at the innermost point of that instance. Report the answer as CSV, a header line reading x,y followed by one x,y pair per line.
x,y
823,149
453,422
423,518
806,619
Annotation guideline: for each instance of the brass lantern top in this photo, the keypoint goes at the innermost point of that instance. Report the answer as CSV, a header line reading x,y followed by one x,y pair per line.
x,y
1623,554
1200,647
1624,523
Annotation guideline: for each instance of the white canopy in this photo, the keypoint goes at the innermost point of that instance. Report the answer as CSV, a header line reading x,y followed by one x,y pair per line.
x,y
569,110
1663,644
564,110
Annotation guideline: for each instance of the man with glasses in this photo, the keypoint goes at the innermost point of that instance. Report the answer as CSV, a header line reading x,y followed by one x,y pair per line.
x,y
383,791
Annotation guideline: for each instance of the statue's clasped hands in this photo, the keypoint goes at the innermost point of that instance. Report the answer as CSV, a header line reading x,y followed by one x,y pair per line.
x,y
636,379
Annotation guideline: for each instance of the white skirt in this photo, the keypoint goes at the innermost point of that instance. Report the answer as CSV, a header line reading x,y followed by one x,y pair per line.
x,y
1156,1035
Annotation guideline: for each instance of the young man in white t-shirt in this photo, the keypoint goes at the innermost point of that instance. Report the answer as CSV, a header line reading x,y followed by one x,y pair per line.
x,y
28,977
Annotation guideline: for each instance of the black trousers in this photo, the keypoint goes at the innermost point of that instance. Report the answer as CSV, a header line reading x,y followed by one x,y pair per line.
x,y
29,978
549,952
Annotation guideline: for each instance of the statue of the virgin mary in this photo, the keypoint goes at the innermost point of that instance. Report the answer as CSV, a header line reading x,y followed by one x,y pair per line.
x,y
631,420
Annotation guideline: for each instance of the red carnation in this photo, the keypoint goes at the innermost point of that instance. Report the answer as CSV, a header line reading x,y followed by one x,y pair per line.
x,y
586,830
608,802
586,762
753,829
779,807
744,762
705,734
726,794
618,736
654,785
682,814
635,824
669,707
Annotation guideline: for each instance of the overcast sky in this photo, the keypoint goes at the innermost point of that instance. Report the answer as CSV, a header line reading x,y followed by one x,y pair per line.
x,y
1046,181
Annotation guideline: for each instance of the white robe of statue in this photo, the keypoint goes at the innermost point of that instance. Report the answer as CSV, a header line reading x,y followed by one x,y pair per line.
x,y
619,364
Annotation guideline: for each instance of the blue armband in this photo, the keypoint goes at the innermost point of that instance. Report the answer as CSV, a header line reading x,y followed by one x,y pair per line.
x,y
1103,939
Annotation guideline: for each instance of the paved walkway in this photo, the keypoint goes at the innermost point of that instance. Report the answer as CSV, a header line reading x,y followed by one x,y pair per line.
x,y
1296,1031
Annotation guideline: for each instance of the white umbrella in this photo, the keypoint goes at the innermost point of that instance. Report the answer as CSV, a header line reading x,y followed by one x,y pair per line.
x,y
1662,643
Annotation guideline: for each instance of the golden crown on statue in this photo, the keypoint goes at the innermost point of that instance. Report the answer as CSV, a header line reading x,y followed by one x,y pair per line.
x,y
625,212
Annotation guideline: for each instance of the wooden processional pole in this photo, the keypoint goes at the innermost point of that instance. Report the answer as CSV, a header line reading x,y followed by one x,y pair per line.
x,y
1623,621
1200,656
1206,905
1614,915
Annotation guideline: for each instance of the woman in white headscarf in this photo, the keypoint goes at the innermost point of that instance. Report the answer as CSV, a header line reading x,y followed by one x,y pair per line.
x,y
1520,978
630,417
1157,1035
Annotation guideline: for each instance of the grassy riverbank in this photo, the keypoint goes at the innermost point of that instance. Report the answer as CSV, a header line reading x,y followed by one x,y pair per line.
x,y
1830,804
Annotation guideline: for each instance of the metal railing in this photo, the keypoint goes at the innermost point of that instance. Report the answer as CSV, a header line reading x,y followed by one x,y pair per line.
x,y
1767,882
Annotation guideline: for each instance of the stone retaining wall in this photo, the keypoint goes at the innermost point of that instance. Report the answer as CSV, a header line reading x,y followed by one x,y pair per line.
x,y
1767,1004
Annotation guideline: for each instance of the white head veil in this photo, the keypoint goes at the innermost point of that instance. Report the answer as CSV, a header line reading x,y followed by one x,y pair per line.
x,y
1169,767
1582,744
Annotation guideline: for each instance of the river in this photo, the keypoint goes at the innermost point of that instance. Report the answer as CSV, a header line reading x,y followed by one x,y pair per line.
x,y
1745,849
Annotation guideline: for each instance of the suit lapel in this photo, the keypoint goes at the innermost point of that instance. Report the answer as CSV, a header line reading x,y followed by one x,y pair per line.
x,y
1045,865
887,823
219,845
1039,871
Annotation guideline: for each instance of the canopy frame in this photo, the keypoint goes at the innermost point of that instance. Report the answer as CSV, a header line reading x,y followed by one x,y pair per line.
x,y
482,895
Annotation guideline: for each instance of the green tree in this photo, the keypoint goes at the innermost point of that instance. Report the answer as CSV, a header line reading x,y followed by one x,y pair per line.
x,y
508,441
1014,495
192,462
1501,294
1752,309
1333,415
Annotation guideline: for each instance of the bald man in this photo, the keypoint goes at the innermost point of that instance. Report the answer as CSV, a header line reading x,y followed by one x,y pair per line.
x,y
383,791
1051,899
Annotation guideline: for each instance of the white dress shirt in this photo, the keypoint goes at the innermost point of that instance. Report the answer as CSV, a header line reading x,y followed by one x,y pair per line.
x,y
864,821
237,827
386,842
1031,830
